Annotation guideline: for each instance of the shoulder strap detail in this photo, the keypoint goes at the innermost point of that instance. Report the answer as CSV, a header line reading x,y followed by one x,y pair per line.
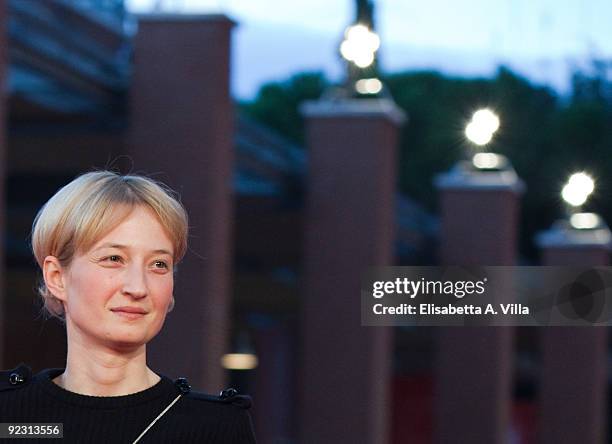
x,y
231,396
242,401
226,396
16,378
183,385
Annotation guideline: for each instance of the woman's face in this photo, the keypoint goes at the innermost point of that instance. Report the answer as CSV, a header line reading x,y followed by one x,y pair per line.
x,y
118,292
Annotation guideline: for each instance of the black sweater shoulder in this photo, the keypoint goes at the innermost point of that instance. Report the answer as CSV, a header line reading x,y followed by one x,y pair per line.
x,y
228,396
228,406
191,417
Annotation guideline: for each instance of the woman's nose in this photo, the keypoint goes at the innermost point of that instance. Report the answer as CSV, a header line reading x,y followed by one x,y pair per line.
x,y
135,282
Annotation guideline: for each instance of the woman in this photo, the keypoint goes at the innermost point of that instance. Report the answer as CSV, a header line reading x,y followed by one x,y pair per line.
x,y
107,246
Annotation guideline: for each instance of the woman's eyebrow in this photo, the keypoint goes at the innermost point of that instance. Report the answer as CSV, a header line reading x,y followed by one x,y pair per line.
x,y
125,247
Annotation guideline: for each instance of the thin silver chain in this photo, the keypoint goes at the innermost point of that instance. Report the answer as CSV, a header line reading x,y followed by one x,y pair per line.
x,y
155,420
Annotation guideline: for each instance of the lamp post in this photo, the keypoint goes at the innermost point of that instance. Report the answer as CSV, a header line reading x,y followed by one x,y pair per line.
x,y
358,49
574,360
578,229
576,192
480,131
359,45
479,214
482,127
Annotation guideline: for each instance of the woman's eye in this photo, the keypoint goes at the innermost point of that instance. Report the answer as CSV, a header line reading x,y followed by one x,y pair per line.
x,y
161,264
114,258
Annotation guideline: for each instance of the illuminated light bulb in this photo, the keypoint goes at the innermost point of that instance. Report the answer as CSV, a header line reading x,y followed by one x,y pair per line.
x,y
346,49
578,188
582,181
361,36
488,161
487,119
481,128
239,361
478,134
368,86
356,31
574,195
585,221
359,45
364,59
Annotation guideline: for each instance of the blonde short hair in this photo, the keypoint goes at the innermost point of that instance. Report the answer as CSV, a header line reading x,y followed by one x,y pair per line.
x,y
92,205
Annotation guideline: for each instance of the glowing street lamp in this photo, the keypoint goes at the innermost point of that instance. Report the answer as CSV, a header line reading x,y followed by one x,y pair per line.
x,y
577,227
577,189
583,182
239,361
575,193
243,356
481,128
359,45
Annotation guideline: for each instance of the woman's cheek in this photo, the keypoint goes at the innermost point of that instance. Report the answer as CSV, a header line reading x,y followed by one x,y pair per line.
x,y
168,287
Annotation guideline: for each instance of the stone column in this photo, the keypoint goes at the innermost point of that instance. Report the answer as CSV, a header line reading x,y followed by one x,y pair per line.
x,y
479,215
574,380
349,227
181,132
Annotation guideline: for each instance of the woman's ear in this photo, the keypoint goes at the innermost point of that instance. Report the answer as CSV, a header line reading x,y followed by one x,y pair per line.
x,y
54,275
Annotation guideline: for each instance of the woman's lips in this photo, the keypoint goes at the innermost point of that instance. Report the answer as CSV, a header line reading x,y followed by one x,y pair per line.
x,y
129,312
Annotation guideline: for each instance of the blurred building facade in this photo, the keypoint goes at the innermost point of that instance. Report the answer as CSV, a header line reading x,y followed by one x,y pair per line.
x,y
72,106
88,88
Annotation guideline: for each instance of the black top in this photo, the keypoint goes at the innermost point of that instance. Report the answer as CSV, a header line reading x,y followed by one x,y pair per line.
x,y
194,418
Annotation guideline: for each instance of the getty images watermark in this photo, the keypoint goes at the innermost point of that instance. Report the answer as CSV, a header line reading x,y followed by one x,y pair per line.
x,y
495,296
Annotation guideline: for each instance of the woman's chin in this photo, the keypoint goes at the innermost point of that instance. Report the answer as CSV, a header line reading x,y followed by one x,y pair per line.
x,y
127,341
126,346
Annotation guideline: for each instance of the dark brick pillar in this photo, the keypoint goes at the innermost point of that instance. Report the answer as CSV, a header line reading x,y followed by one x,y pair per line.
x,y
4,63
273,412
574,381
349,227
480,214
182,133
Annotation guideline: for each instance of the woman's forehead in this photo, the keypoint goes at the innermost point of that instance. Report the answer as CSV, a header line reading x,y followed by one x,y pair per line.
x,y
131,228
129,247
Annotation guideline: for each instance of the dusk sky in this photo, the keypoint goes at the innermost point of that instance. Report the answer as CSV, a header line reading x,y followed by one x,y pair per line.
x,y
542,39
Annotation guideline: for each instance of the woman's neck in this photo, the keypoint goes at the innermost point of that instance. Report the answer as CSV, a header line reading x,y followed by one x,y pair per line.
x,y
96,370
